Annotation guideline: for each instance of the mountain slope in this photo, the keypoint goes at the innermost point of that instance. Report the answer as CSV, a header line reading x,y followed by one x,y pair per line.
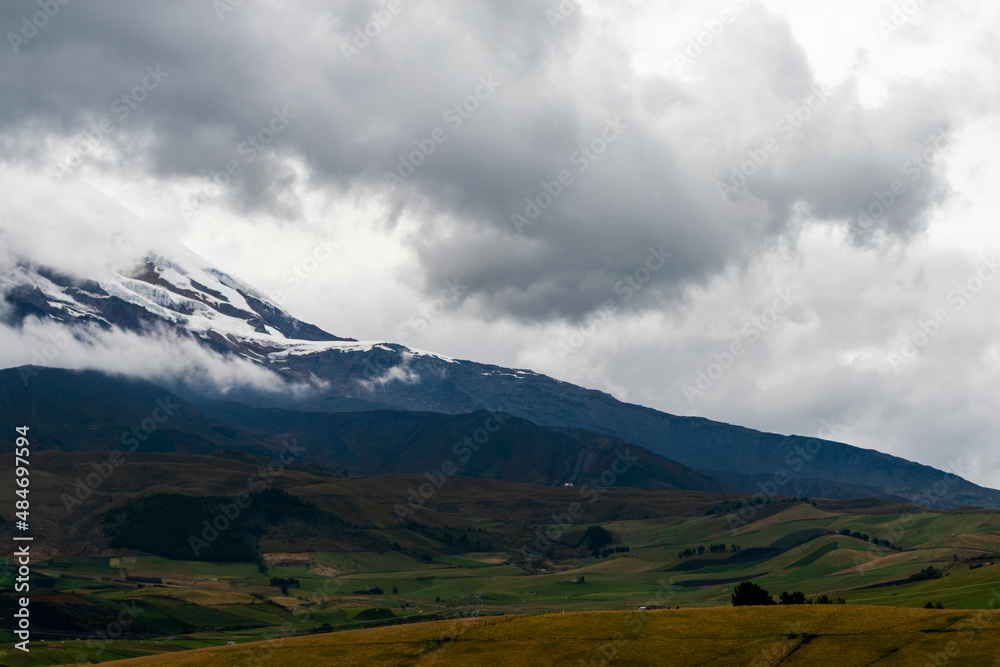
x,y
448,386
186,295
87,410
479,444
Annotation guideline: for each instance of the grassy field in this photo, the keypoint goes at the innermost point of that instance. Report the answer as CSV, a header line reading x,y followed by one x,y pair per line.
x,y
463,555
810,635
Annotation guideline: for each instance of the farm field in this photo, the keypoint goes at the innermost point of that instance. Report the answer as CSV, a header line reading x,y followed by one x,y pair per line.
x,y
465,559
811,635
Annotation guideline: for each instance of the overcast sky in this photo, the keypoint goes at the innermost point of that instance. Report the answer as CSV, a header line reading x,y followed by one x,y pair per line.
x,y
662,200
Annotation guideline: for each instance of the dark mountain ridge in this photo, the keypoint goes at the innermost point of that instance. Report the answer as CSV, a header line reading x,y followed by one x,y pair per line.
x,y
88,410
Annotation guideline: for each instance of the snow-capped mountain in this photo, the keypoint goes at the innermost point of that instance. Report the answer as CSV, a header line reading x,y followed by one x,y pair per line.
x,y
180,292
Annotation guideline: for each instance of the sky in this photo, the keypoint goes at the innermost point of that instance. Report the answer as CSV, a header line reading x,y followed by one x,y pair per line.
x,y
771,213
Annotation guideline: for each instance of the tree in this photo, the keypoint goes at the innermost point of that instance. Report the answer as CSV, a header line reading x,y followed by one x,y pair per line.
x,y
825,599
796,597
748,593
929,572
395,591
595,538
284,584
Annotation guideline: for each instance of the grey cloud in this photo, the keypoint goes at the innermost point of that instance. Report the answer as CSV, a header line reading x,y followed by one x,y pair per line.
x,y
655,185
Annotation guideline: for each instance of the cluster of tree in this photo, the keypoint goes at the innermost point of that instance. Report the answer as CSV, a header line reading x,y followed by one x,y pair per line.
x,y
724,507
727,507
825,599
874,540
886,544
931,605
370,591
446,536
712,548
284,584
463,541
596,538
616,550
929,572
795,597
798,597
748,593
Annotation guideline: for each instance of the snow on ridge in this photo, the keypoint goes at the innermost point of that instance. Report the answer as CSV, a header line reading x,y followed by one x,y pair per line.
x,y
425,353
303,348
183,262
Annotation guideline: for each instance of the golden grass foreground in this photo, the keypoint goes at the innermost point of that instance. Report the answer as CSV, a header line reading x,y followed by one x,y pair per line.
x,y
756,636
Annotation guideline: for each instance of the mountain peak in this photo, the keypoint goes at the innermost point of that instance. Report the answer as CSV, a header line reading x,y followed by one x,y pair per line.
x,y
176,289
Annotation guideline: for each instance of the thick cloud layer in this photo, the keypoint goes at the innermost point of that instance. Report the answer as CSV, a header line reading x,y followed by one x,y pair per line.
x,y
477,109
